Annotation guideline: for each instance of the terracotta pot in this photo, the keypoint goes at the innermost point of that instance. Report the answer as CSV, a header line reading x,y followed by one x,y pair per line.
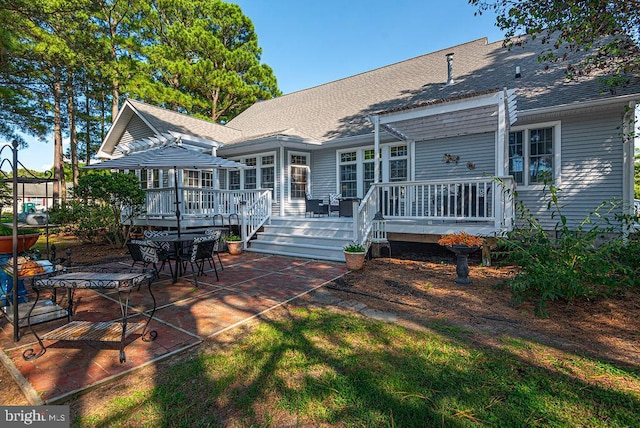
x,y
24,243
355,261
234,247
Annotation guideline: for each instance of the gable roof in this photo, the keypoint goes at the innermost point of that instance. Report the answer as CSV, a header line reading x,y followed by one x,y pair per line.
x,y
159,121
340,108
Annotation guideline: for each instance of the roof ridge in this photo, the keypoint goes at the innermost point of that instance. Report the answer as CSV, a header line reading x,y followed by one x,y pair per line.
x,y
433,53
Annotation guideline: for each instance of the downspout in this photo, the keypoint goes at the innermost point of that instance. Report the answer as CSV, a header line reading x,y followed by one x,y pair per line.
x,y
629,123
282,181
501,159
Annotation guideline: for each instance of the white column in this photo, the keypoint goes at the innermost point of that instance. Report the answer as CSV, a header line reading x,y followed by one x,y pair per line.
x,y
376,148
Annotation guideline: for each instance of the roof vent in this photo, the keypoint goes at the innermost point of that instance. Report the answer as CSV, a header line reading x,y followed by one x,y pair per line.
x,y
450,69
518,72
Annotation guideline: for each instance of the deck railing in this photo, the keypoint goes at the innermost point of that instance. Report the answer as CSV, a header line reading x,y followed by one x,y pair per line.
x,y
198,201
486,199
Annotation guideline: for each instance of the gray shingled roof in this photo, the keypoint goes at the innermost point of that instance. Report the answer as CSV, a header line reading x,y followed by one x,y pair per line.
x,y
167,120
339,109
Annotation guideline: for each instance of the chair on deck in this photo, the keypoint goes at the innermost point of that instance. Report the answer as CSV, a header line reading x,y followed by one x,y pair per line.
x,y
201,251
315,206
148,253
334,203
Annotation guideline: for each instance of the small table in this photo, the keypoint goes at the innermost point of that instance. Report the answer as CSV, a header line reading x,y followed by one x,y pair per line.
x,y
123,280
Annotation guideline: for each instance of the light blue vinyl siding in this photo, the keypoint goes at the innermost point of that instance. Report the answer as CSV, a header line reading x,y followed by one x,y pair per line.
x,y
136,130
591,169
479,149
323,174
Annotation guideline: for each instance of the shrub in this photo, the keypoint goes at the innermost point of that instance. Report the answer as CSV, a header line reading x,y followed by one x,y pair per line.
x,y
570,263
95,214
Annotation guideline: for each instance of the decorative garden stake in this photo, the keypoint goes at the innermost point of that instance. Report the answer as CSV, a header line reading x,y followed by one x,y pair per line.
x,y
461,244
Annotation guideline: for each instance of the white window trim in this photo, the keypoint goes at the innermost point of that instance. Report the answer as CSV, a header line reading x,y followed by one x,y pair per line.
x,y
257,167
385,158
557,150
290,165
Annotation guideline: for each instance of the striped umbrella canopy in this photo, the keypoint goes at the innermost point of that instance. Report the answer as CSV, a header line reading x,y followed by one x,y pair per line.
x,y
171,156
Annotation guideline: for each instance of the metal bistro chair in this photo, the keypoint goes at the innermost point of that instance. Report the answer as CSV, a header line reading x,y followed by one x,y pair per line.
x,y
218,220
217,235
201,251
234,223
148,253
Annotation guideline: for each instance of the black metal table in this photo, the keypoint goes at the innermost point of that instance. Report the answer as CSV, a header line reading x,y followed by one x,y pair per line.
x,y
123,280
179,243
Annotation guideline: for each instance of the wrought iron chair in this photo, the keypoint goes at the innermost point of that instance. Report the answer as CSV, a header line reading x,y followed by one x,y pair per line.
x,y
201,251
218,220
234,223
217,235
164,245
148,253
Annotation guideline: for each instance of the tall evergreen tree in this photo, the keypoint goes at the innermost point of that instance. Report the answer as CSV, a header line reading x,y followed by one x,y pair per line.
x,y
204,59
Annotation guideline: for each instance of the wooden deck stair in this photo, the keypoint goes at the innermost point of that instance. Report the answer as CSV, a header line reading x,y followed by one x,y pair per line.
x,y
320,238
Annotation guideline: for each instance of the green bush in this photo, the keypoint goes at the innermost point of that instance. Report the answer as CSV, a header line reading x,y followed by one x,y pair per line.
x,y
95,213
568,263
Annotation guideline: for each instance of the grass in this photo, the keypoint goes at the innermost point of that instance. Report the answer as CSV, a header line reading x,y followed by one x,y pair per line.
x,y
318,367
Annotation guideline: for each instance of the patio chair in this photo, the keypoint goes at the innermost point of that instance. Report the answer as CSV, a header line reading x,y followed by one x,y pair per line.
x,y
315,206
153,233
201,251
148,253
334,203
218,220
217,235
234,223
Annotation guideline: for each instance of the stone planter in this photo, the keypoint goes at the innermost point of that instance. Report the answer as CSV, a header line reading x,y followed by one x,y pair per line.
x,y
24,243
462,262
234,247
355,261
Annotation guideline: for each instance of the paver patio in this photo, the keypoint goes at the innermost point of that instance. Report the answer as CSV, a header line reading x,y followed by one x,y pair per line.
x,y
249,285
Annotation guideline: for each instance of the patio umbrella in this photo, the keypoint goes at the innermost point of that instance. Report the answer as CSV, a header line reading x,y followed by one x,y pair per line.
x,y
170,156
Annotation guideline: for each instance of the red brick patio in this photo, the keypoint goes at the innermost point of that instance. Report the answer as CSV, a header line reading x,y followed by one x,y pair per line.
x,y
249,285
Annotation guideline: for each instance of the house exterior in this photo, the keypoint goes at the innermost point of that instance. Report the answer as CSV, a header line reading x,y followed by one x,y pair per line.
x,y
436,143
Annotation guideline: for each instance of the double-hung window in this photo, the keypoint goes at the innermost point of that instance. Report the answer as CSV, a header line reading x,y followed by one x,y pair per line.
x,y
348,174
299,176
534,153
398,160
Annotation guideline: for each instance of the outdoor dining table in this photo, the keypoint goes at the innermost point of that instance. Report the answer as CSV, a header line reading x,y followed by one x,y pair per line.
x,y
122,280
179,242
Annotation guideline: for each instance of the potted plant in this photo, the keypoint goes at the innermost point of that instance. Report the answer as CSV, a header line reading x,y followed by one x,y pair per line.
x,y
26,239
354,255
461,244
234,243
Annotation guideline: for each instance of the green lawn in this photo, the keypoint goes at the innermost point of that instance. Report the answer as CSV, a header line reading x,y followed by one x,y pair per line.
x,y
323,368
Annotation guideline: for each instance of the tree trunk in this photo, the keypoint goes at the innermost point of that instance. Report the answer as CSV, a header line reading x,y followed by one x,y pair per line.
x,y
87,111
73,138
58,171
